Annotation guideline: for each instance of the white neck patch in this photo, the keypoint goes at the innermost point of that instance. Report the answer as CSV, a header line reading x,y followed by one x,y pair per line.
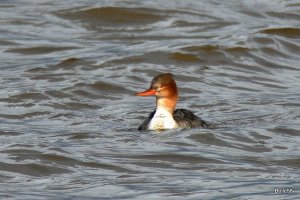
x,y
162,119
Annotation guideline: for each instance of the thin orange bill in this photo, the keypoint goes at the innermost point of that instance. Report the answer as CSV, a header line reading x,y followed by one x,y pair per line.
x,y
149,92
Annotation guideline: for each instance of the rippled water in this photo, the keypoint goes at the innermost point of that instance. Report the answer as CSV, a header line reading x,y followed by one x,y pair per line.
x,y
69,117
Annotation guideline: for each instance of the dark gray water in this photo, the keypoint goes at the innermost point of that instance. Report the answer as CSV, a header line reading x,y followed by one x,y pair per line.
x,y
69,117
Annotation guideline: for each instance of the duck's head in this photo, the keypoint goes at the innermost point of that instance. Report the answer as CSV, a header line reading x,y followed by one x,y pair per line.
x,y
164,88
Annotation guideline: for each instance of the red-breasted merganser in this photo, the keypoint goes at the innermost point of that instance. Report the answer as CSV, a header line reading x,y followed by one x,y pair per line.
x,y
164,88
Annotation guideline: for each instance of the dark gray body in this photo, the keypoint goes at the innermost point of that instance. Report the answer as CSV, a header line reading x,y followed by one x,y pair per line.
x,y
184,119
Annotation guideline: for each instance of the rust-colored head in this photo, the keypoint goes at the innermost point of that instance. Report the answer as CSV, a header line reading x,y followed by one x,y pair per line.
x,y
162,85
164,88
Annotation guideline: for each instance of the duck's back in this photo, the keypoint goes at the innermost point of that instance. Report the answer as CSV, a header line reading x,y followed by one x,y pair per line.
x,y
187,119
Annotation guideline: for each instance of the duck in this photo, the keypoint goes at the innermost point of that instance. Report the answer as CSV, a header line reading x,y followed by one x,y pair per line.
x,y
164,88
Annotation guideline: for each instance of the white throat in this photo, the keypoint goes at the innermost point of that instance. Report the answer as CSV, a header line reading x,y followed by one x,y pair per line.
x,y
162,119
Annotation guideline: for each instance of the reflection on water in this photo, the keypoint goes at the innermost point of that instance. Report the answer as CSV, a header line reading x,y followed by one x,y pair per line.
x,y
69,117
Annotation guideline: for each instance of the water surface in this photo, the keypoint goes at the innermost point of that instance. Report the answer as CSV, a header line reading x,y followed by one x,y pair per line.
x,y
69,117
